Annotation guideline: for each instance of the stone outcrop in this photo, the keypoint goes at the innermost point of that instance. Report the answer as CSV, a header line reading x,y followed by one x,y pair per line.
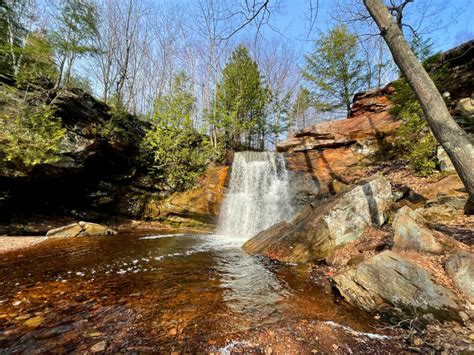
x,y
102,173
411,234
460,268
388,279
445,164
369,119
194,208
317,231
329,150
325,151
80,229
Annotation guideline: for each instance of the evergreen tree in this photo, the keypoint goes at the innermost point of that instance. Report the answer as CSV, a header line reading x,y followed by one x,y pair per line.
x,y
302,104
241,102
335,70
38,59
14,18
180,153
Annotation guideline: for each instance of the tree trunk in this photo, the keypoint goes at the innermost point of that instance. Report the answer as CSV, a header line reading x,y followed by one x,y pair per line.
x,y
446,131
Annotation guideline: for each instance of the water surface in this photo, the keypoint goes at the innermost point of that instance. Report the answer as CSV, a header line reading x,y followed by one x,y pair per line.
x,y
151,292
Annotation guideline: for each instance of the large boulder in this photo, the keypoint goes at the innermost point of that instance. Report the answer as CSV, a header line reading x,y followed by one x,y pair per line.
x,y
316,232
80,229
388,279
412,234
460,268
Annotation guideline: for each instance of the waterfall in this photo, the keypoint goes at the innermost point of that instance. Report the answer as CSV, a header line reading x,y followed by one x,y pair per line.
x,y
257,197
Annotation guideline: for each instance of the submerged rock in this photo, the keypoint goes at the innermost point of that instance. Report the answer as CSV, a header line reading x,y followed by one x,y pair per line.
x,y
315,233
411,233
80,229
389,278
460,268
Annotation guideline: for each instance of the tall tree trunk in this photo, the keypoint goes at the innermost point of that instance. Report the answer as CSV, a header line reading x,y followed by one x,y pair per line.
x,y
446,131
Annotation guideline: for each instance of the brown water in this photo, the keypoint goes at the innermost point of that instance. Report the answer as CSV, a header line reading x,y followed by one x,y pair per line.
x,y
184,293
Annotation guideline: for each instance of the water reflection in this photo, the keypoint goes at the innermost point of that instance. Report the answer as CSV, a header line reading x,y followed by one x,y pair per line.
x,y
146,292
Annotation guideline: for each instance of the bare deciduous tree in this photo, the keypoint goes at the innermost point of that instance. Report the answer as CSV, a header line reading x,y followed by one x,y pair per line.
x,y
451,137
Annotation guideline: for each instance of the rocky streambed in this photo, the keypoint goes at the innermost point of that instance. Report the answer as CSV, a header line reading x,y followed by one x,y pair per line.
x,y
172,292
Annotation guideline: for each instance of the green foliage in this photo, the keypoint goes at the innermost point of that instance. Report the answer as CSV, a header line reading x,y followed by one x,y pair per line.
x,y
414,140
335,70
38,60
32,136
77,26
180,153
302,104
14,15
240,109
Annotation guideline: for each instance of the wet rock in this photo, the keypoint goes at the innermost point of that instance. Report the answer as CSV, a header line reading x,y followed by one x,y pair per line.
x,y
460,268
98,347
390,279
411,233
197,207
315,232
81,229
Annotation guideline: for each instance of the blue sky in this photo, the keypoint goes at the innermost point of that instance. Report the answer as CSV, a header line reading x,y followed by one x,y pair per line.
x,y
453,17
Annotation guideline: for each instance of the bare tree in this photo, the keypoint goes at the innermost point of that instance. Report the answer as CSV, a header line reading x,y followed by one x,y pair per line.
x,y
446,131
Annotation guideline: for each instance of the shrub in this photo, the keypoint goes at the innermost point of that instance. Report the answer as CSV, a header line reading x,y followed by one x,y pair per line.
x,y
414,140
32,136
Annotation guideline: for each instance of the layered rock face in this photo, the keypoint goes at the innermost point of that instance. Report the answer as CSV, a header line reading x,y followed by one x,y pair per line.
x,y
101,173
315,233
326,150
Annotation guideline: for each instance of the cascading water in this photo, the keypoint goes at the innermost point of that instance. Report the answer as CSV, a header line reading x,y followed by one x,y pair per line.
x,y
258,195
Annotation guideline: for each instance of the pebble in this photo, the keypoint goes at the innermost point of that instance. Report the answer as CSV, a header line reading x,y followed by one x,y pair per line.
x,y
33,322
418,342
100,346
173,331
471,336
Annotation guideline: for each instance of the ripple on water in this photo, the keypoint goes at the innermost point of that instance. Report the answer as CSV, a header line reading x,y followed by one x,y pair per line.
x,y
199,285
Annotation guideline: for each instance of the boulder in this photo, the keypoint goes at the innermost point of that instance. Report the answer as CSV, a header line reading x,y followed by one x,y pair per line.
x,y
466,107
80,229
445,163
412,234
315,233
460,268
389,279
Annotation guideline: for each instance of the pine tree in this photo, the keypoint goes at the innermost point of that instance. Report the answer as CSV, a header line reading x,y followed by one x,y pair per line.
x,y
241,102
180,153
302,104
335,70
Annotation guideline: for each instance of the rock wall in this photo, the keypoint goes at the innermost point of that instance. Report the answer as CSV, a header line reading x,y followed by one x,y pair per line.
x,y
101,173
325,152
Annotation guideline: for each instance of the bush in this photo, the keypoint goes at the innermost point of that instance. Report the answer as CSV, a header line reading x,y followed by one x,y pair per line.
x,y
32,136
414,140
